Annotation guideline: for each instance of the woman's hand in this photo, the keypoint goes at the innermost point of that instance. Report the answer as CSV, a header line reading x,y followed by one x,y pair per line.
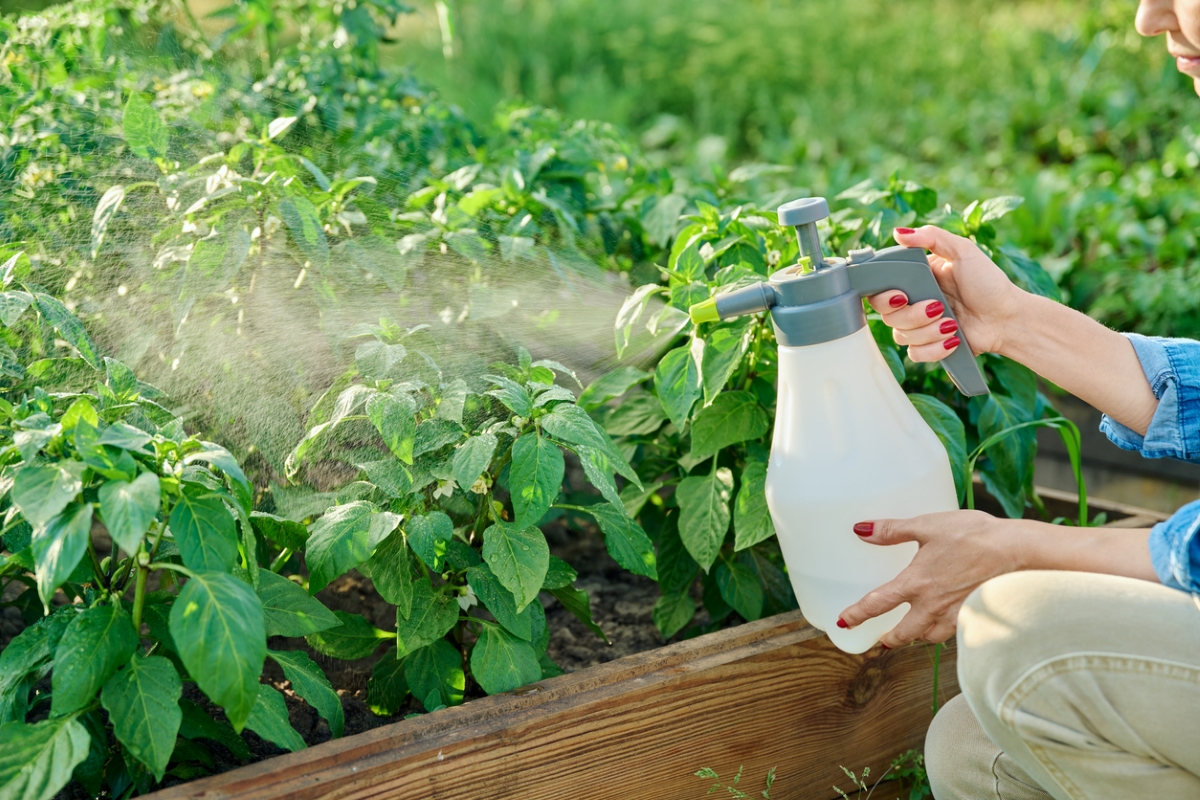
x,y
958,551
984,300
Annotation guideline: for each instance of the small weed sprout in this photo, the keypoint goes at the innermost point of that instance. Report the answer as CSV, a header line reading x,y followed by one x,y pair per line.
x,y
731,787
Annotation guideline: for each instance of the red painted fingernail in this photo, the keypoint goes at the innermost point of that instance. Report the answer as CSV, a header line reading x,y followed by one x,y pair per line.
x,y
906,230
842,623
949,326
952,343
934,309
884,646
864,528
897,301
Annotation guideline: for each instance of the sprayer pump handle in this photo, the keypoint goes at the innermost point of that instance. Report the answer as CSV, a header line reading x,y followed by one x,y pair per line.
x,y
907,269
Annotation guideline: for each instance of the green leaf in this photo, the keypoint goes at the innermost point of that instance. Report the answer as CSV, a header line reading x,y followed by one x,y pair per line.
x,y
500,602
429,536
436,670
68,326
394,420
997,207
13,305
310,683
95,645
389,475
387,688
197,724
724,349
676,567
58,546
672,612
640,414
740,588
223,460
949,429
1011,457
577,602
1027,273
732,418
704,514
599,471
127,509
304,223
142,702
432,616
375,359
105,209
288,610
610,386
391,572
535,477
217,624
500,662
627,543
36,761
677,381
752,521
26,656
204,530
471,458
519,557
339,541
125,437
269,719
558,575
434,434
41,492
572,424
513,395
144,130
355,638
283,532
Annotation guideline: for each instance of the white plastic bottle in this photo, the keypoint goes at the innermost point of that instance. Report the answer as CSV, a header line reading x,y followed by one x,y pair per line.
x,y
848,447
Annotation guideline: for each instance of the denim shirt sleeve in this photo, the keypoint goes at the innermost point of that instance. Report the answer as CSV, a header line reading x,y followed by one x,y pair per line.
x,y
1173,368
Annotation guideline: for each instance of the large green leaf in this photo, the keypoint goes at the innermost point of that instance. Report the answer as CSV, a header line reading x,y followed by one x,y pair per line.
x,y
513,395
217,624
535,477
355,638
676,567
428,536
41,492
578,603
704,514
310,683
27,656
639,414
519,557
572,424
740,588
288,610
204,530
751,518
627,543
283,532
95,645
198,724
677,381
13,305
304,223
375,359
1011,457
723,351
387,687
58,547
611,385
599,471
36,761
500,602
432,616
435,675
949,429
68,327
142,702
393,418
672,612
471,458
500,662
144,130
269,719
342,539
733,417
391,572
128,507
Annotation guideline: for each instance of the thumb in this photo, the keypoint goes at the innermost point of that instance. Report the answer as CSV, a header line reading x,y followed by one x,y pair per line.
x,y
886,531
932,238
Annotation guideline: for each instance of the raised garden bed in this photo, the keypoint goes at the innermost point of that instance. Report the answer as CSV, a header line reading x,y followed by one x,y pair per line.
x,y
771,693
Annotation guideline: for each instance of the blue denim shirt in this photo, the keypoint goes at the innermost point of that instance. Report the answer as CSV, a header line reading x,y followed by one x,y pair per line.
x,y
1173,368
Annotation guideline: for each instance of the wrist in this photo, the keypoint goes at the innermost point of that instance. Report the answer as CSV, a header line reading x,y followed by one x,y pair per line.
x,y
1017,320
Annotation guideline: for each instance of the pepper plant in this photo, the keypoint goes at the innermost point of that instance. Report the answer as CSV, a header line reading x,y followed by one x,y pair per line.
x,y
453,477
136,560
700,423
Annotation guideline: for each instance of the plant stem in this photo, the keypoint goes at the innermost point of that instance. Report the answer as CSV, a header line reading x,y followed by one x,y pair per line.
x,y
96,568
281,559
937,662
139,592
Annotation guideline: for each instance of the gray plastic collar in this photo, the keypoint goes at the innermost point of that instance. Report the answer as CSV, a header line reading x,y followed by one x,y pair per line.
x,y
815,307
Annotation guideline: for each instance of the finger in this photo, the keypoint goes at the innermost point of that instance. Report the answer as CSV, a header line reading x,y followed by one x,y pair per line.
x,y
914,316
937,331
887,302
888,531
935,351
908,630
933,239
874,603
941,631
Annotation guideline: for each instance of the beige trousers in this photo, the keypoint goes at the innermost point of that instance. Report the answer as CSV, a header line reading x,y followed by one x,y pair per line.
x,y
1074,686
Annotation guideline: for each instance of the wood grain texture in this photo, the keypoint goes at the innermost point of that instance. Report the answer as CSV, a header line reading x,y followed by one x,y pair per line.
x,y
769,693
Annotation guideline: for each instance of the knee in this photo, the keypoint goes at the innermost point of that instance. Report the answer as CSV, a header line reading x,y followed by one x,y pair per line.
x,y
958,755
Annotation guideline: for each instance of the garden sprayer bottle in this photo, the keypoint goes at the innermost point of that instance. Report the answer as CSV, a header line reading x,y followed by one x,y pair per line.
x,y
848,444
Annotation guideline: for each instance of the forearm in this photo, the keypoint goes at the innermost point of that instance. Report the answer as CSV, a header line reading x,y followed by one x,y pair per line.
x,y
1090,361
1109,551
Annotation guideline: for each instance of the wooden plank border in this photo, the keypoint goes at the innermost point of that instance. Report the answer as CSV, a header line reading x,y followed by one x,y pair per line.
x,y
771,693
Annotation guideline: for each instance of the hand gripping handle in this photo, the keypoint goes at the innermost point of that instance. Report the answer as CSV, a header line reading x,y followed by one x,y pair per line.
x,y
906,269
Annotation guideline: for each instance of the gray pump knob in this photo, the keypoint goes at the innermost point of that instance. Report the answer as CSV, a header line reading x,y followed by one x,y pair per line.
x,y
804,211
